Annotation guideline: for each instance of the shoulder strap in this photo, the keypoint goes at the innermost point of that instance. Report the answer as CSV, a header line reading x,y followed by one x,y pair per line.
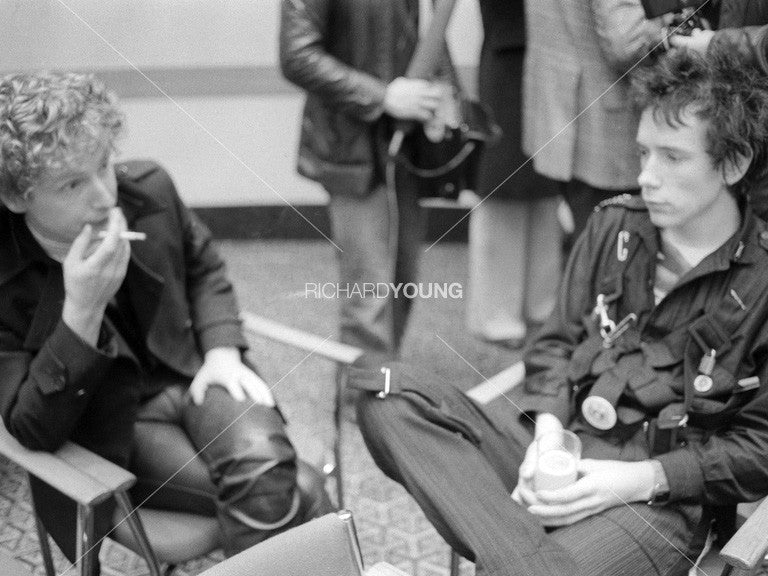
x,y
431,49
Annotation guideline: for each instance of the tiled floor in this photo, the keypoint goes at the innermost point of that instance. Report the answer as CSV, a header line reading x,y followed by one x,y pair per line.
x,y
270,278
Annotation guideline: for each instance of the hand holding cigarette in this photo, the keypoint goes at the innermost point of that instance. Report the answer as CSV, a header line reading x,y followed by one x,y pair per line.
x,y
127,235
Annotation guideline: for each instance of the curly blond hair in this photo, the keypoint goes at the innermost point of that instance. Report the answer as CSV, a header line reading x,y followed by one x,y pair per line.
x,y
50,119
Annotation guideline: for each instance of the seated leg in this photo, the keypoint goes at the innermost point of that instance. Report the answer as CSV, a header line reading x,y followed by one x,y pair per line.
x,y
460,464
246,470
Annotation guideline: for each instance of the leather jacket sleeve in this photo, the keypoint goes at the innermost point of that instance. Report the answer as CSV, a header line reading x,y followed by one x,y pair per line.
x,y
305,61
751,42
624,34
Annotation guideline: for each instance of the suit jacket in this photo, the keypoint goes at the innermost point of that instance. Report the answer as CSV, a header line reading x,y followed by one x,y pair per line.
x,y
577,115
54,386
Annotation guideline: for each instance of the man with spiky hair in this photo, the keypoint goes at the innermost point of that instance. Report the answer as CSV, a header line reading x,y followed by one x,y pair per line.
x,y
656,357
135,350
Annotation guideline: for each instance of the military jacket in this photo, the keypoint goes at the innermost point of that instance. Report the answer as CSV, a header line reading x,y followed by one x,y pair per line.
x,y
720,305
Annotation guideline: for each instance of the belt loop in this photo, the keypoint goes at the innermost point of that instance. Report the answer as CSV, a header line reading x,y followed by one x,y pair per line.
x,y
383,394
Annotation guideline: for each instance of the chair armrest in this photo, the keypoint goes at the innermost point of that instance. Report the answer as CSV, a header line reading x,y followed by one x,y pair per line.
x,y
74,483
100,469
747,548
72,470
336,351
498,385
384,569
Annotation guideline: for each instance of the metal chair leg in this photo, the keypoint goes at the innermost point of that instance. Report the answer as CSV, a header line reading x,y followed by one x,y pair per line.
x,y
455,563
86,551
341,385
134,523
45,545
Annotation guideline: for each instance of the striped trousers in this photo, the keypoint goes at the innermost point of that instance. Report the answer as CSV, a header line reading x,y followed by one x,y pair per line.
x,y
460,464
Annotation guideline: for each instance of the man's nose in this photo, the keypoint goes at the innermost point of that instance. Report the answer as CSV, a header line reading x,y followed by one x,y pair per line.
x,y
648,176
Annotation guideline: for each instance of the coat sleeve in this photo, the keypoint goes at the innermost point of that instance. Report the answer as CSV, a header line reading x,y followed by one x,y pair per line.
x,y
42,396
211,296
750,42
730,466
624,33
547,360
305,62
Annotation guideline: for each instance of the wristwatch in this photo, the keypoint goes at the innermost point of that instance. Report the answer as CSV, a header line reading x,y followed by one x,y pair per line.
x,y
660,493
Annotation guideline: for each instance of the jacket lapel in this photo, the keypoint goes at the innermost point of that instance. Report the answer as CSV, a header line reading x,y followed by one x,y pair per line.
x,y
144,284
48,311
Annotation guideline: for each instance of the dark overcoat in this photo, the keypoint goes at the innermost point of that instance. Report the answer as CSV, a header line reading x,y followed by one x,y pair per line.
x,y
500,87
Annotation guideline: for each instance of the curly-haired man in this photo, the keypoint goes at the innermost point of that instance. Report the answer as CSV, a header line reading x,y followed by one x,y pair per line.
x,y
656,356
132,350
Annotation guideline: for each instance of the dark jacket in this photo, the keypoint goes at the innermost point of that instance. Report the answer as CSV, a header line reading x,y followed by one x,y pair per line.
x,y
721,304
54,386
343,53
500,78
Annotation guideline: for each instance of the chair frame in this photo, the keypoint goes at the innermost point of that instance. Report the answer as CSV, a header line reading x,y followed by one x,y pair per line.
x,y
89,479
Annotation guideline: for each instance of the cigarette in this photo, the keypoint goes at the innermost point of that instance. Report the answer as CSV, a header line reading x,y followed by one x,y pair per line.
x,y
127,235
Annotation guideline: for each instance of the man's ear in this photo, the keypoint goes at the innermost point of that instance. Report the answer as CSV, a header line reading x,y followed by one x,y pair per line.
x,y
15,203
733,171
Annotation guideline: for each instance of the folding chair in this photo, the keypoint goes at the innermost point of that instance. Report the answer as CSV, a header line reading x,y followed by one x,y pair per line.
x,y
327,546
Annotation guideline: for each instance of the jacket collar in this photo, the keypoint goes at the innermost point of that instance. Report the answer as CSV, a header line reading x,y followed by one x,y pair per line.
x,y
742,247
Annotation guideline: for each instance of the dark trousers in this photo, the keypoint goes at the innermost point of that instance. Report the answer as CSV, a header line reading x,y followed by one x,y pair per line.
x,y
221,459
460,464
246,473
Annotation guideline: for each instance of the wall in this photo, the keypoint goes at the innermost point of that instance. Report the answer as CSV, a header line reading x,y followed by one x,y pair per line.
x,y
198,80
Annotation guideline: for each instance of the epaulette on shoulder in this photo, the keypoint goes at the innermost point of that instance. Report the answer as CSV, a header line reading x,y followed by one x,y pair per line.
x,y
135,169
629,201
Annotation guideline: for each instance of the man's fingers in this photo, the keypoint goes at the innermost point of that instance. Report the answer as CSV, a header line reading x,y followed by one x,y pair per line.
x,y
81,243
576,491
112,242
257,389
235,390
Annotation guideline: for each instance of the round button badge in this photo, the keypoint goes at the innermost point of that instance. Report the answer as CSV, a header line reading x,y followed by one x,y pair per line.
x,y
598,412
702,383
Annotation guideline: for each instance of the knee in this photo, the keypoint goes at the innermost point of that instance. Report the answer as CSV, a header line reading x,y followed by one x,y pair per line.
x,y
379,418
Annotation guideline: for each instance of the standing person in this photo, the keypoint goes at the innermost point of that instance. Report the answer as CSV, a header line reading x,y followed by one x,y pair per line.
x,y
134,351
514,234
350,56
655,357
578,122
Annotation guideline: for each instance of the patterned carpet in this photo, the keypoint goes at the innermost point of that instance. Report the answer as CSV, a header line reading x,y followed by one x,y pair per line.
x,y
270,278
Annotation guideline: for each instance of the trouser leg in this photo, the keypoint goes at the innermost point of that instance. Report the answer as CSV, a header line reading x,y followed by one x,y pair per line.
x,y
460,464
361,228
240,456
461,468
411,232
543,256
497,269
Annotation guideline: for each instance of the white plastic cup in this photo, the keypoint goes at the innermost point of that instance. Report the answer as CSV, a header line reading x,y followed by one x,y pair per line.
x,y
557,454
